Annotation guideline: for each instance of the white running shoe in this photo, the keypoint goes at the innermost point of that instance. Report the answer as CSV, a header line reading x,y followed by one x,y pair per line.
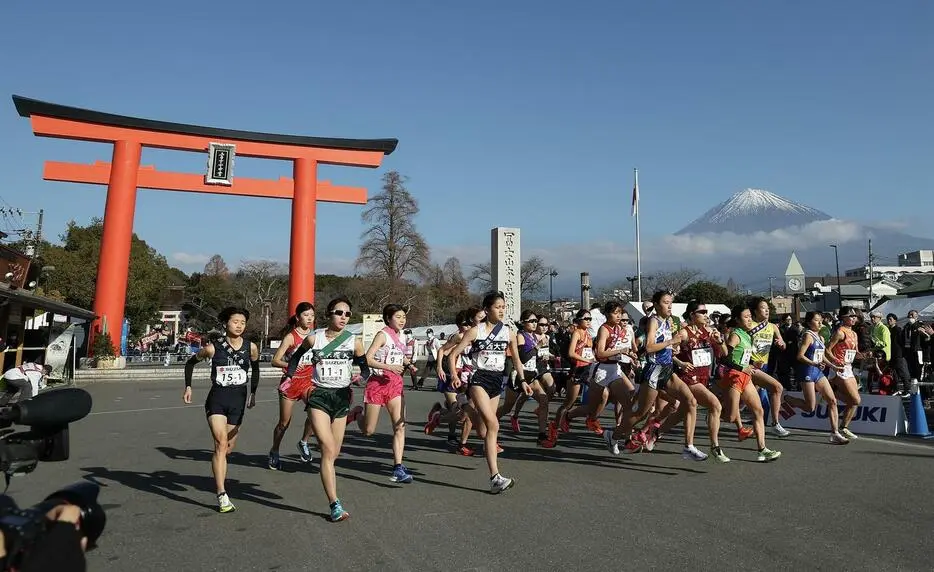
x,y
693,453
838,439
499,483
780,431
612,445
848,434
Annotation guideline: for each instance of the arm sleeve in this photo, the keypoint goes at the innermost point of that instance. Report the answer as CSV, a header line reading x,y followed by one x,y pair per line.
x,y
254,378
190,369
296,359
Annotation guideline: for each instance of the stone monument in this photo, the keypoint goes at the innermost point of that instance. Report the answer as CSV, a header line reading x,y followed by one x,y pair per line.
x,y
505,270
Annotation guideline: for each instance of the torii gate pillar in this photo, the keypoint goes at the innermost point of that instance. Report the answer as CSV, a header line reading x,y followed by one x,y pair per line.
x,y
125,174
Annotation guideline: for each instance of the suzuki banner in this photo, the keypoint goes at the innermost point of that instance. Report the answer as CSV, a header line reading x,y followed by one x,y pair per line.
x,y
876,415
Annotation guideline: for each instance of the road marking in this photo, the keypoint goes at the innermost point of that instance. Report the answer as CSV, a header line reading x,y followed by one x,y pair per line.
x,y
899,443
192,406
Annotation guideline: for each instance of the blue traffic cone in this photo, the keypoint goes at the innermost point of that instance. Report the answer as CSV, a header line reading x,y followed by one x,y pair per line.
x,y
766,405
917,421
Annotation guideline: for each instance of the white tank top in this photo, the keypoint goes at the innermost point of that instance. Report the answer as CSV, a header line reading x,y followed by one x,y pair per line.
x,y
334,371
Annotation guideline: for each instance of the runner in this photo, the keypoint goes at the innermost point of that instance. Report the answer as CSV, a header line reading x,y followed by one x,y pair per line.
x,y
810,375
291,391
699,350
527,343
452,412
231,358
658,376
545,378
763,335
387,358
843,351
736,379
488,342
582,357
615,346
334,351
432,346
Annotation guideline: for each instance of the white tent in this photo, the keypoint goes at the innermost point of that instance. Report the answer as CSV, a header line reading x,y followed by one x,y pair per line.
x,y
634,309
901,306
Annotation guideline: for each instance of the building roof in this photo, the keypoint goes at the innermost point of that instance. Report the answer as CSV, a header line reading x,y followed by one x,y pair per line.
x,y
27,107
924,285
794,267
31,300
827,280
887,281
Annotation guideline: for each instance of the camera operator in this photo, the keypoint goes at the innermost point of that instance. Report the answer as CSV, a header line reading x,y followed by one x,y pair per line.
x,y
60,549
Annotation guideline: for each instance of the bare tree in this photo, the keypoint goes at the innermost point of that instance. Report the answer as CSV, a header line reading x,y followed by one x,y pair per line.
x,y
532,275
216,267
392,249
671,281
261,281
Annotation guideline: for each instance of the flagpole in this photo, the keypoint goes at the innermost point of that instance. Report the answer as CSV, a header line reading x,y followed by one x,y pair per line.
x,y
638,242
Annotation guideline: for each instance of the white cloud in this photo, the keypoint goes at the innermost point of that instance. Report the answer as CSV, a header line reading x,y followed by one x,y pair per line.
x,y
781,240
187,259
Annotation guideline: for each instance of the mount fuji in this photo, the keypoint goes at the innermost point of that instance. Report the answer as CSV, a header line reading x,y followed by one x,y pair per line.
x,y
751,235
754,210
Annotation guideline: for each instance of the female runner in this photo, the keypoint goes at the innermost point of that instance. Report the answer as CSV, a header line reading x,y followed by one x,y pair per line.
x,y
488,342
843,350
582,357
736,381
334,351
231,358
295,332
389,360
763,335
700,348
543,363
658,376
810,375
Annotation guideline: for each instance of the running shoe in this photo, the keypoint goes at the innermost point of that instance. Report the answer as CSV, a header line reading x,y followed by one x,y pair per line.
x,y
594,425
304,451
223,503
838,439
719,455
632,446
514,423
434,409
692,453
745,433
499,483
465,451
433,423
401,474
766,455
649,439
274,463
563,425
499,448
546,443
848,434
612,445
780,431
552,431
337,512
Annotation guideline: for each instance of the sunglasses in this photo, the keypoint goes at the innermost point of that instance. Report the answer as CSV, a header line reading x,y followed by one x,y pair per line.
x,y
340,313
700,311
543,324
530,322
586,319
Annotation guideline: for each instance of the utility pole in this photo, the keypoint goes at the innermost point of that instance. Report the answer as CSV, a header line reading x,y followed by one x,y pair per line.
x,y
771,290
870,274
39,233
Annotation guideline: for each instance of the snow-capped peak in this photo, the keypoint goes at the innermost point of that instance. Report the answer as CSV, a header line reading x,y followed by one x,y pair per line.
x,y
753,210
754,201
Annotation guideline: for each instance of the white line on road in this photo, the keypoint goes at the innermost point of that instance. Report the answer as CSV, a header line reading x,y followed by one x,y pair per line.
x,y
899,443
166,408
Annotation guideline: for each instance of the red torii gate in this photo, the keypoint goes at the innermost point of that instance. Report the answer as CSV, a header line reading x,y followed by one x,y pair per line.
x,y
124,175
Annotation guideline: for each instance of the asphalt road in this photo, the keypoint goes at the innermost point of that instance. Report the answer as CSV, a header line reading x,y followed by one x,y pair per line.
x,y
864,506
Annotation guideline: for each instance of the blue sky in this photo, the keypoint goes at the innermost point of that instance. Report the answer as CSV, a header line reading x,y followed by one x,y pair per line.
x,y
508,113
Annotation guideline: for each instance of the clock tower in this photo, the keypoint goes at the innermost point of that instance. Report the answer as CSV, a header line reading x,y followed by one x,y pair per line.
x,y
794,282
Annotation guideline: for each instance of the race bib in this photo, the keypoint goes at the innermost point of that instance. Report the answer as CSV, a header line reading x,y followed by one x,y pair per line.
x,y
543,353
624,359
333,370
763,346
465,375
530,365
847,372
819,356
920,356
744,361
394,357
492,360
849,356
228,375
702,357
306,359
587,354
